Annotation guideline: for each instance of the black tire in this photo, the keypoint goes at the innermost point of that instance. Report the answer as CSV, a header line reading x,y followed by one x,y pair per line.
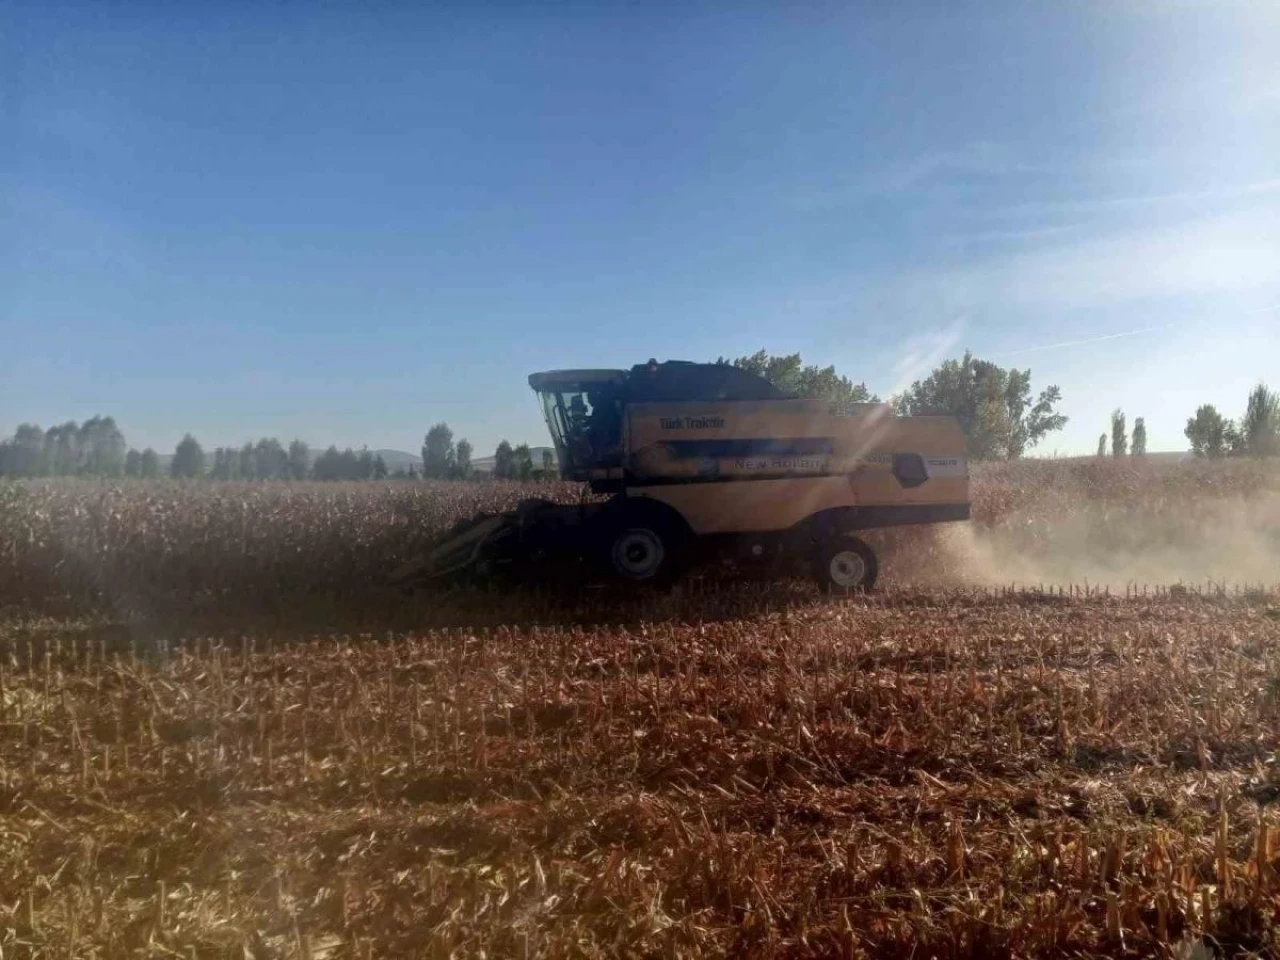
x,y
844,565
644,548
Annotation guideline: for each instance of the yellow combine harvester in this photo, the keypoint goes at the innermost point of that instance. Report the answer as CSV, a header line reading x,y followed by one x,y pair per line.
x,y
707,460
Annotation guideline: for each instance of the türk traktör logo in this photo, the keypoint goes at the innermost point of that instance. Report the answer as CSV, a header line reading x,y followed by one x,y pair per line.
x,y
691,423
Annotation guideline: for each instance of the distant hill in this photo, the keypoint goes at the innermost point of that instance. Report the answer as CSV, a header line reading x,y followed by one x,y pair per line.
x,y
395,460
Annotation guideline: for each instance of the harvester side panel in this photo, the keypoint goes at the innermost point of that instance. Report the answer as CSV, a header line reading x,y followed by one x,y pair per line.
x,y
766,466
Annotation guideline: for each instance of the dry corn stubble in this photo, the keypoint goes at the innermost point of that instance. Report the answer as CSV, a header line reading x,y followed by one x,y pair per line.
x,y
734,770
954,774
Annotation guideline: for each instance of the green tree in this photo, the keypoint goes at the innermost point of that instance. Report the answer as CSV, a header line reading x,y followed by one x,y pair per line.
x,y
1139,437
344,465
992,404
270,462
62,449
549,463
100,448
27,452
328,465
1233,440
790,375
1260,425
462,458
1208,432
1102,445
133,463
299,460
149,464
350,465
522,457
504,462
437,452
1119,439
364,469
188,458
222,461
379,468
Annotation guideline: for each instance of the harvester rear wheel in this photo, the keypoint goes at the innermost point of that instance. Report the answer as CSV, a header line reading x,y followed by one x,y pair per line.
x,y
844,565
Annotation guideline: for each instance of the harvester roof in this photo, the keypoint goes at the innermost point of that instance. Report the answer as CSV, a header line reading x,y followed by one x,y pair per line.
x,y
552,379
674,380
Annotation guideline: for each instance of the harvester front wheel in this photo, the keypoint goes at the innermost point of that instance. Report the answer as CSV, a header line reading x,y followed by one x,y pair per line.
x,y
844,565
643,547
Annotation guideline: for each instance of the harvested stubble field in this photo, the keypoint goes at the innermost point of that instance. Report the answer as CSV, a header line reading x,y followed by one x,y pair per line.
x,y
219,737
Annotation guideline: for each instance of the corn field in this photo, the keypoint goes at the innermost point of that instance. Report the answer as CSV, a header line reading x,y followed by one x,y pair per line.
x,y
220,738
138,548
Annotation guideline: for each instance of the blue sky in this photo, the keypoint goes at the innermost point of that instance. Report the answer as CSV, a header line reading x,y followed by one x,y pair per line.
x,y
345,224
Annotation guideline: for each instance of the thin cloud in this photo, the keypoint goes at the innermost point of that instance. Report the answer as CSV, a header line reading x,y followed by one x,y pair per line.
x,y
982,158
1102,204
985,159
1157,328
1008,236
1086,340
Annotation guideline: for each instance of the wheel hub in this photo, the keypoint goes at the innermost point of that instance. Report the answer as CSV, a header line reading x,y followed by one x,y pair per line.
x,y
848,569
638,554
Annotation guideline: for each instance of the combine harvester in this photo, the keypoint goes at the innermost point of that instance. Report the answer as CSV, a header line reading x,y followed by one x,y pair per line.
x,y
704,461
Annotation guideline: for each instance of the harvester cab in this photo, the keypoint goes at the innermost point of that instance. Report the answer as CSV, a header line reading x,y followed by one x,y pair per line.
x,y
586,410
700,460
583,410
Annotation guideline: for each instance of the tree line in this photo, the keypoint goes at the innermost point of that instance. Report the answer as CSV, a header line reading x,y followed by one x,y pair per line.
x,y
442,459
97,448
93,448
1000,415
1001,420
1256,433
1120,439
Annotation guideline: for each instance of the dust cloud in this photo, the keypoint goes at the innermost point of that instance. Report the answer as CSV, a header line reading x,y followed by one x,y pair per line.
x,y
1224,538
1226,542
